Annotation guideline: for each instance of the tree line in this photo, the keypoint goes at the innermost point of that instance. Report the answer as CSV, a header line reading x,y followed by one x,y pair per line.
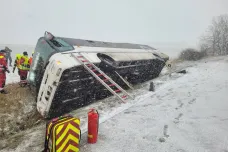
x,y
215,40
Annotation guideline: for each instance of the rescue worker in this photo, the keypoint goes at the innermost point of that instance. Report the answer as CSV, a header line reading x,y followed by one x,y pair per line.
x,y
3,70
8,55
17,63
24,67
30,59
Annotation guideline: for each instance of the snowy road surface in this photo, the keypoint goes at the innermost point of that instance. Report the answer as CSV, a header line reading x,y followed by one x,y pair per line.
x,y
190,115
186,113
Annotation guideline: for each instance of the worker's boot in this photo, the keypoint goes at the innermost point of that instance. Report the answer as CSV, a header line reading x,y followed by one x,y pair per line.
x,y
23,83
3,91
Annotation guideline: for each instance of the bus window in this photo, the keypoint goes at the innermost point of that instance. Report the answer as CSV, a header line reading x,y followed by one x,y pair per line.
x,y
61,45
42,53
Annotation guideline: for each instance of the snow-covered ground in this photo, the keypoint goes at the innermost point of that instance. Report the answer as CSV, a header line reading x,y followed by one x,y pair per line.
x,y
187,112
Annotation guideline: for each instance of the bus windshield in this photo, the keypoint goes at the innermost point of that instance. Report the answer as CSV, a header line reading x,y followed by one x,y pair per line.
x,y
61,45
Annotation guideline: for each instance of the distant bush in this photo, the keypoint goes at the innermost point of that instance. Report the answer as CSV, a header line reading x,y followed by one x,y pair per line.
x,y
191,54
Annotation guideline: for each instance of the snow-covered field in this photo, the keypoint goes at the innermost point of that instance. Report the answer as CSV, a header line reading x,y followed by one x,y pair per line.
x,y
187,112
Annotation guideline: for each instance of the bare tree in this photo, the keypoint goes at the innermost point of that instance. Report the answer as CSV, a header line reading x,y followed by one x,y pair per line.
x,y
216,39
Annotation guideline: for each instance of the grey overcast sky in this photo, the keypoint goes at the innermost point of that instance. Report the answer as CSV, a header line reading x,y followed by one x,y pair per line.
x,y
140,21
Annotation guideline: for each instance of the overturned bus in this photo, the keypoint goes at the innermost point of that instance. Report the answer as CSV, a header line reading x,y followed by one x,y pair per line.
x,y
61,83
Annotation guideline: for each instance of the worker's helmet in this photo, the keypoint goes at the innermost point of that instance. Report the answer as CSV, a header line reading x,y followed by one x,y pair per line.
x,y
6,48
2,51
25,53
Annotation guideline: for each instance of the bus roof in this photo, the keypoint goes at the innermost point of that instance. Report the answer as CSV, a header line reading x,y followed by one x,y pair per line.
x,y
91,43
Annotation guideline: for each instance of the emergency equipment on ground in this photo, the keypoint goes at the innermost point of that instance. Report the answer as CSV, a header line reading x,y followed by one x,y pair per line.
x,y
151,86
93,125
62,134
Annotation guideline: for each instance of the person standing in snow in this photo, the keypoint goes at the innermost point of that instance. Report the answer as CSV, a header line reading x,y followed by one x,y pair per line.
x,y
30,59
8,55
3,70
24,67
17,63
